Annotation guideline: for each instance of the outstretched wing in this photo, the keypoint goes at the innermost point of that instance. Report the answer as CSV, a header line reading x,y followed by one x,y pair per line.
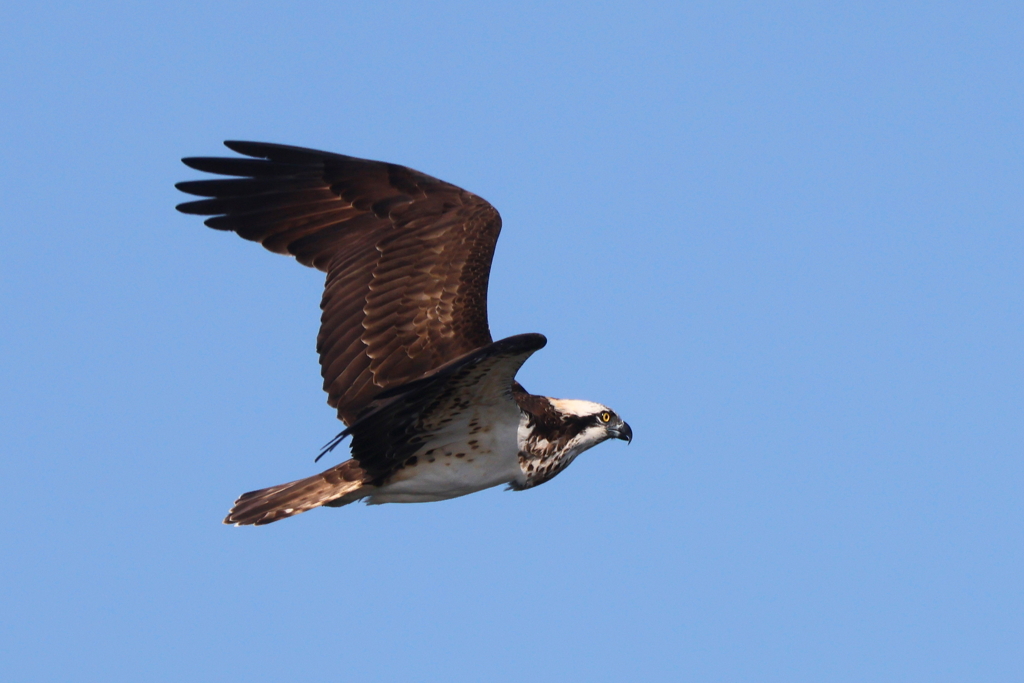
x,y
407,257
466,401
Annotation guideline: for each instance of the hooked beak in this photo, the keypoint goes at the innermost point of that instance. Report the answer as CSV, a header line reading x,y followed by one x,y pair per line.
x,y
623,432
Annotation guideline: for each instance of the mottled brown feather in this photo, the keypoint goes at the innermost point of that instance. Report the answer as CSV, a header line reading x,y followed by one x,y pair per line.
x,y
407,257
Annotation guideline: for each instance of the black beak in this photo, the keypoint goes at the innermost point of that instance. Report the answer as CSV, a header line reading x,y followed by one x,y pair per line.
x,y
623,432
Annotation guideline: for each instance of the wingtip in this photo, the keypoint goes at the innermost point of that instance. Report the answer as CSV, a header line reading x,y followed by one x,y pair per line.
x,y
206,165
272,151
263,150
530,341
193,208
241,146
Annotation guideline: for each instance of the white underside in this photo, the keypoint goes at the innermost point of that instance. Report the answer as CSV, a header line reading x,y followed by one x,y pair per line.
x,y
491,461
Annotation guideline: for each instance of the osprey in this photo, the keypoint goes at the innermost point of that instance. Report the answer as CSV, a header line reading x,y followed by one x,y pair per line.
x,y
429,399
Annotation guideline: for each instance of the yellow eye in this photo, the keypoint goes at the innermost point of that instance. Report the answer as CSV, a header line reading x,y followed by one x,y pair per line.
x,y
606,416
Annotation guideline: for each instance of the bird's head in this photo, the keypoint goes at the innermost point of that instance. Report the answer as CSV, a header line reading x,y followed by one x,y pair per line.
x,y
593,422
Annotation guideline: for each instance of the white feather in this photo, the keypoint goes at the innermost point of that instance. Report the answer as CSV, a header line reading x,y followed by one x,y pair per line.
x,y
572,406
489,457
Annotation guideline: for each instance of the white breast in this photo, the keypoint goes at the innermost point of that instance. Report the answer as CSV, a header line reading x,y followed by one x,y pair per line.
x,y
476,451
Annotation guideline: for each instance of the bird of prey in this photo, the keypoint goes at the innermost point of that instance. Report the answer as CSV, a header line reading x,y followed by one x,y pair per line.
x,y
428,398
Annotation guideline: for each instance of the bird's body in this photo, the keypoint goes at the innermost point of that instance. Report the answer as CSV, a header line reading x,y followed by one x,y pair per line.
x,y
430,401
461,460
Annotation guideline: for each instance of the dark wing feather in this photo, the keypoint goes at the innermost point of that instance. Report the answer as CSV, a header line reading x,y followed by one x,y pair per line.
x,y
407,256
399,421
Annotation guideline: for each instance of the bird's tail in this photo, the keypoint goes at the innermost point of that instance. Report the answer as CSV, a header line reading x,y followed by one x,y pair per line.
x,y
337,486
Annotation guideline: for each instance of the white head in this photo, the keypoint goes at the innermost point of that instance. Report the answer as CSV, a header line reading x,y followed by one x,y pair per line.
x,y
591,423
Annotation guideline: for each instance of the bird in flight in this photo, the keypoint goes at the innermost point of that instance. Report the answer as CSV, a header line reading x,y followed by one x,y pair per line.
x,y
428,398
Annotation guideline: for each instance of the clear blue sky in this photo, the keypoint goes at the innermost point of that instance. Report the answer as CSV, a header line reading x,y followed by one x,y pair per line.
x,y
784,242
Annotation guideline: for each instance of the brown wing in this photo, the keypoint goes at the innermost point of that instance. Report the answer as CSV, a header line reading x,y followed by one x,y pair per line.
x,y
407,256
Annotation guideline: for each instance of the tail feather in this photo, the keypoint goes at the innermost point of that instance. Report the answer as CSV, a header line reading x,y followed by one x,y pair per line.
x,y
285,500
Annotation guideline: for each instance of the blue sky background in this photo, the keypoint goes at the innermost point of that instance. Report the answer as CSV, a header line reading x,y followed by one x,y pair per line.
x,y
784,242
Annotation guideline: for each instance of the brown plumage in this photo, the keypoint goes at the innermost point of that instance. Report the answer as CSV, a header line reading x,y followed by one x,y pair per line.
x,y
405,350
407,257
277,502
